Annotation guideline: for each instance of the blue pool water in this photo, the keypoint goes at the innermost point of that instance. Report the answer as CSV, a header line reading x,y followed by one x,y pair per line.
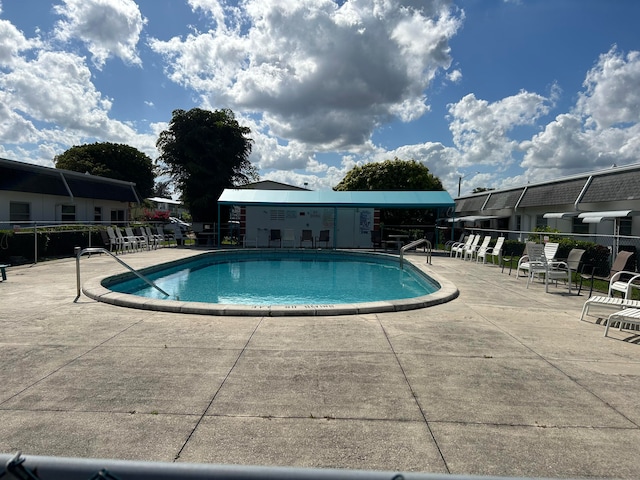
x,y
284,278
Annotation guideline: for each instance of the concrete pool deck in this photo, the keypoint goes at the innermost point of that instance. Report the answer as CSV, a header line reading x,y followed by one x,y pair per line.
x,y
503,380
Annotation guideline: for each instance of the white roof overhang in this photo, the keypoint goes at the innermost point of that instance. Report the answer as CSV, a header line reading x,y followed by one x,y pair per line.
x,y
560,214
473,218
597,217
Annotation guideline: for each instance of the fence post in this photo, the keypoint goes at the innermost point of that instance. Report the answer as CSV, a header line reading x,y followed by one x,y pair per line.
x,y
35,242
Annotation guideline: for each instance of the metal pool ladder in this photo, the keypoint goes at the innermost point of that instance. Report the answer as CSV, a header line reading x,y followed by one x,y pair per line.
x,y
414,244
102,250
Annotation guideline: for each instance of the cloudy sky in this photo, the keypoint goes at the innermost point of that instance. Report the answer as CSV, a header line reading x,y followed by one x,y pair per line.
x,y
498,92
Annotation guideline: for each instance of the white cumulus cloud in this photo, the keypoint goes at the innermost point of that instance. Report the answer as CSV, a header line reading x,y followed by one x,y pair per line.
x,y
107,27
604,127
320,72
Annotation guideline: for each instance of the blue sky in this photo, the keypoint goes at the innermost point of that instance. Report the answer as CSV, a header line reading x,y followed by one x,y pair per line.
x,y
518,91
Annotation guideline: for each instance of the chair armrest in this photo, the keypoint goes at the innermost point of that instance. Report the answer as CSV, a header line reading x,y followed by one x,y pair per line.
x,y
586,267
616,276
558,265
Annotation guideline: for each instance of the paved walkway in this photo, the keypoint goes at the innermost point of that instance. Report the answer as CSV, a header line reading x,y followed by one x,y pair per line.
x,y
500,381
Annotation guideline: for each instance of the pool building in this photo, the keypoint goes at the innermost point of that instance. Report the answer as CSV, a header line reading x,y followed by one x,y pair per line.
x,y
348,218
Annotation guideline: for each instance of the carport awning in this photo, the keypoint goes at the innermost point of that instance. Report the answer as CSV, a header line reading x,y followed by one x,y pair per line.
x,y
597,217
473,218
560,214
312,198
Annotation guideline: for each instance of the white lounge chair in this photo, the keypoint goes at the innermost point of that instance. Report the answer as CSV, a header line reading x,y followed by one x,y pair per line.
x,y
628,316
493,252
602,301
471,253
450,243
459,246
468,250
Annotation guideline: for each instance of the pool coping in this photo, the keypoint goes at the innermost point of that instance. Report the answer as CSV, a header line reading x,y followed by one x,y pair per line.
x,y
94,289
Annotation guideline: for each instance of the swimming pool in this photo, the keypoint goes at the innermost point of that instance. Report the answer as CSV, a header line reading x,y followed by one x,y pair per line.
x,y
278,282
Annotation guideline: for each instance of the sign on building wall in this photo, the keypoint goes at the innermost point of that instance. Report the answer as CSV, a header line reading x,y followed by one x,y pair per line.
x,y
366,221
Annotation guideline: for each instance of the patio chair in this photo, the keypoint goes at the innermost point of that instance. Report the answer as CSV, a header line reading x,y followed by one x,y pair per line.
x,y
493,252
564,270
469,250
619,264
177,235
624,282
450,243
473,252
139,241
307,236
376,239
143,238
550,251
155,239
323,237
288,237
275,236
536,263
110,242
126,243
458,248
169,238
250,241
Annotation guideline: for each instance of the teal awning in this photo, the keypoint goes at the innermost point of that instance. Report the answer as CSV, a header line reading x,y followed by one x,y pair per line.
x,y
329,198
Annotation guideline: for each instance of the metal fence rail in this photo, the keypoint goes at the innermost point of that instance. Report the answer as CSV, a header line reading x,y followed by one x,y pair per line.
x,y
18,467
612,243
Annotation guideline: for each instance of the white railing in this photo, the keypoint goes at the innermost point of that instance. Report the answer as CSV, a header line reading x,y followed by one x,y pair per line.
x,y
81,252
414,244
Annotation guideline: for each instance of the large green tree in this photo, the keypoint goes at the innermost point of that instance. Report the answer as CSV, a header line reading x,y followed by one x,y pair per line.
x,y
205,152
111,160
390,175
393,175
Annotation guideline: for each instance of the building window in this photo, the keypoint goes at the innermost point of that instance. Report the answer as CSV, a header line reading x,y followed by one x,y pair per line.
x,y
117,216
68,213
541,222
578,226
518,225
97,214
625,226
19,212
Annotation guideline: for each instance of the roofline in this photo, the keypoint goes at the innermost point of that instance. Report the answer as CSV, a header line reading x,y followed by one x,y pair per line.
x,y
57,171
577,176
313,202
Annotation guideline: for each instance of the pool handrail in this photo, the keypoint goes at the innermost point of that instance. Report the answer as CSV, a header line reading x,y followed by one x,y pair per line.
x,y
91,250
414,244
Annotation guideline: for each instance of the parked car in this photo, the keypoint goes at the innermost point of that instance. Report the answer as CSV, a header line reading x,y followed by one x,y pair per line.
x,y
184,226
